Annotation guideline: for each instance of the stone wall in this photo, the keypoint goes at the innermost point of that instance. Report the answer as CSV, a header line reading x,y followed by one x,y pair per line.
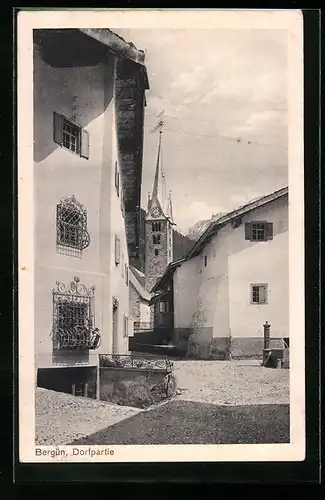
x,y
138,382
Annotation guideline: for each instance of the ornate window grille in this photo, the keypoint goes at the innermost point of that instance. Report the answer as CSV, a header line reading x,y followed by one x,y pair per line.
x,y
74,317
71,227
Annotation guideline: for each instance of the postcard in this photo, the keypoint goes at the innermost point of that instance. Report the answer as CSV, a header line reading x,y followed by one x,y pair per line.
x,y
161,235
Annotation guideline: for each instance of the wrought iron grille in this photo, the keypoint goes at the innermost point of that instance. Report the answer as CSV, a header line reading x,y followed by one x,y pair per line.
x,y
74,317
72,225
138,362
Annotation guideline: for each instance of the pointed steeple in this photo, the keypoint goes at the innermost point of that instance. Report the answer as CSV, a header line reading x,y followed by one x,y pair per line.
x,y
159,197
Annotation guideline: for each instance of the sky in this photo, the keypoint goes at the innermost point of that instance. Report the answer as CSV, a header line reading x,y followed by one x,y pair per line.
x,y
223,93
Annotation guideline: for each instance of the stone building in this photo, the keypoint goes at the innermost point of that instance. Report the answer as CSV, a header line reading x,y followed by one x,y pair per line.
x,y
89,100
214,302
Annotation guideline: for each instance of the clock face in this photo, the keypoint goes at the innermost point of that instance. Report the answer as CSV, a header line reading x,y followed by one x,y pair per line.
x,y
155,212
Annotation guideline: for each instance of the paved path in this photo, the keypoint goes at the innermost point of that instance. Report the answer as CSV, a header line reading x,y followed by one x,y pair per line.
x,y
185,422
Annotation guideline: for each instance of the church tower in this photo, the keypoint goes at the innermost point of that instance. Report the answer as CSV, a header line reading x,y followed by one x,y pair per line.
x,y
159,226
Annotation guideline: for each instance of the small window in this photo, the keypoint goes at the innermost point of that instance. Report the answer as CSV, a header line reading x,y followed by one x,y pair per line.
x,y
259,231
156,239
125,326
117,250
117,179
156,226
259,293
156,251
205,260
126,274
163,307
70,136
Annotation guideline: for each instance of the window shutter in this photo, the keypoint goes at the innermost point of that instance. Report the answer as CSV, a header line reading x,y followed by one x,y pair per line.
x,y
117,250
84,149
57,128
248,231
262,294
269,230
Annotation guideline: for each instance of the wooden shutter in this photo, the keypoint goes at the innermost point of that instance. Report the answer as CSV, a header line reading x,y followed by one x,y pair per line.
x,y
117,250
84,146
248,231
262,294
57,128
269,230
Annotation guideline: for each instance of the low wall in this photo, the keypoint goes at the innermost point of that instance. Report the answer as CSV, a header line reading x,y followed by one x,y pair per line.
x,y
136,382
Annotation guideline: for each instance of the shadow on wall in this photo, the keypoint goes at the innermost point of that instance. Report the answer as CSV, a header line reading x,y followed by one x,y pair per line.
x,y
83,92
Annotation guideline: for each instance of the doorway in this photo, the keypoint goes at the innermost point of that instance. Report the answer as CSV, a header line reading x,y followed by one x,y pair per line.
x,y
115,327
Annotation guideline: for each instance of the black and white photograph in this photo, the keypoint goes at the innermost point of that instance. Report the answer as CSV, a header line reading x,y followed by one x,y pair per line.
x,y
161,257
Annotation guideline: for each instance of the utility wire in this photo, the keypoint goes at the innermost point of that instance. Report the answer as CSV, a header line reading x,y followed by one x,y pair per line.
x,y
238,140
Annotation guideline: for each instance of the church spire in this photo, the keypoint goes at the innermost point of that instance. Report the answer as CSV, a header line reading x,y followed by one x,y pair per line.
x,y
159,197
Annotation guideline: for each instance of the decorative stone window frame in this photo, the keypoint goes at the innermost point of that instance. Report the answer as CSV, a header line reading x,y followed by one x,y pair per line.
x,y
72,236
74,317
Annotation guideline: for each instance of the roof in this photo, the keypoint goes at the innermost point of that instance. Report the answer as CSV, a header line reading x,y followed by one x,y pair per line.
x,y
144,294
169,271
116,43
212,229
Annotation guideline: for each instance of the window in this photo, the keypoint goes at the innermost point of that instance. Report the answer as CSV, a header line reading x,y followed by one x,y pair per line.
x,y
117,250
205,260
156,239
125,326
126,275
122,266
259,293
117,179
71,226
70,136
259,231
163,307
156,251
73,317
156,226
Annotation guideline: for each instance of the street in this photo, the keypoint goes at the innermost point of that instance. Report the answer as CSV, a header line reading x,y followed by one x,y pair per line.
x,y
184,422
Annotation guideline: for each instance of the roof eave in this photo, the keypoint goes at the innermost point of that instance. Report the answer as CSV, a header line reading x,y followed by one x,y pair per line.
x,y
116,44
214,226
